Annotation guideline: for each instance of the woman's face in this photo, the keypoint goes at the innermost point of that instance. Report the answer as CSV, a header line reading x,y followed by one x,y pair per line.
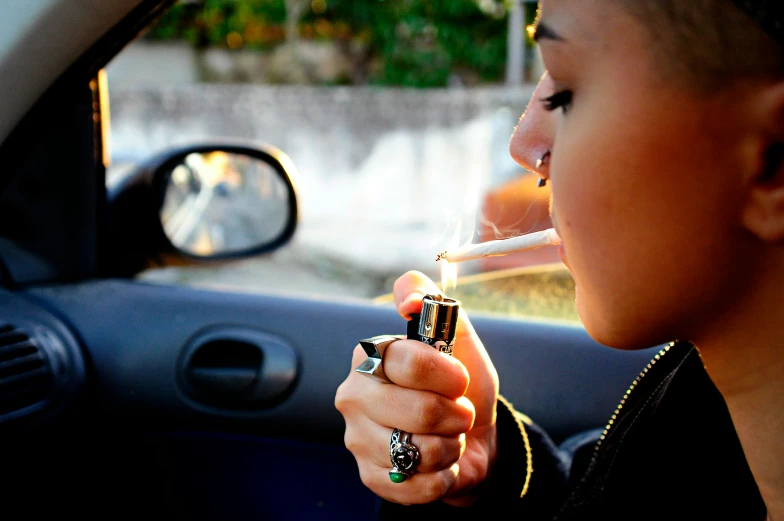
x,y
642,172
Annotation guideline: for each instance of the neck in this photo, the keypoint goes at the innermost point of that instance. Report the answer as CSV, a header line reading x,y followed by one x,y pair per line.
x,y
744,355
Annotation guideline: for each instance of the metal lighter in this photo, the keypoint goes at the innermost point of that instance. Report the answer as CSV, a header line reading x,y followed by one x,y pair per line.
x,y
436,324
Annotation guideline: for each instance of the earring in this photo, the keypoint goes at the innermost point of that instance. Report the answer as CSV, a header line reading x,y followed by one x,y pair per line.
x,y
539,164
543,160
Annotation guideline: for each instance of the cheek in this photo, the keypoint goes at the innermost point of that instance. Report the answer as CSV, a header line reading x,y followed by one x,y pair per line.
x,y
637,212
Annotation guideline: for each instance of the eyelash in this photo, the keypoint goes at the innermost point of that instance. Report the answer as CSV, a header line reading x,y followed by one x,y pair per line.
x,y
562,99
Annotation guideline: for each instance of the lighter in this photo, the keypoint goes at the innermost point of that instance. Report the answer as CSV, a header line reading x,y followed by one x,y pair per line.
x,y
436,324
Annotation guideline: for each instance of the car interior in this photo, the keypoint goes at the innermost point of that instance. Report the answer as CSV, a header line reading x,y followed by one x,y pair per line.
x,y
122,398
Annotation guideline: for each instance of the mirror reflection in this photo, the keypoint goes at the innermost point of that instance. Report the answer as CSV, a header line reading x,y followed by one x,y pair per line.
x,y
219,202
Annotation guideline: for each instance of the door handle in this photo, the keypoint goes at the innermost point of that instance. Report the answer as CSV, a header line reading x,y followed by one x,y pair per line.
x,y
235,368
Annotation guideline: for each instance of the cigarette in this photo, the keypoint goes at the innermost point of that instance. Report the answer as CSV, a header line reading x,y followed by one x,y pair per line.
x,y
527,242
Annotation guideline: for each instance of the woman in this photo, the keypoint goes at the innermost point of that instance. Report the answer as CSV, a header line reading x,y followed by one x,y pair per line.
x,y
660,127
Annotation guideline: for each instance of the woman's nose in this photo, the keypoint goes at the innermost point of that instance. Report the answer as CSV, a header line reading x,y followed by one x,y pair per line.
x,y
532,139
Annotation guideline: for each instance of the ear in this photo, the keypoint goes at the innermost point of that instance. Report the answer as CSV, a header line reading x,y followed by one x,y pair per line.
x,y
763,213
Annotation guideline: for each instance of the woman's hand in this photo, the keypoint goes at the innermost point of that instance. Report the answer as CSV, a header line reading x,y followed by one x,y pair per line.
x,y
448,404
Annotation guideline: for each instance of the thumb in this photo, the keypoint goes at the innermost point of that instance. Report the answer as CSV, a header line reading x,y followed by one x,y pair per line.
x,y
408,291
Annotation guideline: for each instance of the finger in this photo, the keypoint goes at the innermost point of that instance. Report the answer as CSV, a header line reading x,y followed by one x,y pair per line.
x,y
370,442
419,488
410,364
409,409
408,291
417,411
358,356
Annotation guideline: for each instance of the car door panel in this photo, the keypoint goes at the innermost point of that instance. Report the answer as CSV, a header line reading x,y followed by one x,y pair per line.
x,y
137,365
140,436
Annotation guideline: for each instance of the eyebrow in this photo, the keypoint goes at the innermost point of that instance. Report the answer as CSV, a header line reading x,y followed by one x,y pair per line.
x,y
540,31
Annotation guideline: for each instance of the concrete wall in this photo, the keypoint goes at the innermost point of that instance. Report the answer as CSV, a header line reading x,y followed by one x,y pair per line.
x,y
384,175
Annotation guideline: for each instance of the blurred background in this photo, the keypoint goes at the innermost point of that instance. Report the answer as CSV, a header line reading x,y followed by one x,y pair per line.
x,y
397,115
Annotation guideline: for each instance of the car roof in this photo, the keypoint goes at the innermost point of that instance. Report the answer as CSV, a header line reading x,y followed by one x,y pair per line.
x,y
40,39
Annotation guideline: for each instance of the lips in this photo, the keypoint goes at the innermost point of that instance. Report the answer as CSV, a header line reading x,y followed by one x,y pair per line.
x,y
561,249
562,254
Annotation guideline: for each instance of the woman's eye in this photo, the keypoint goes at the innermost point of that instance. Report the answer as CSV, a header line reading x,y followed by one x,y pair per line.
x,y
562,99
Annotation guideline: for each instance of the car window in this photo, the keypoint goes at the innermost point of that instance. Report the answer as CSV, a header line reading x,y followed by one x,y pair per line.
x,y
401,151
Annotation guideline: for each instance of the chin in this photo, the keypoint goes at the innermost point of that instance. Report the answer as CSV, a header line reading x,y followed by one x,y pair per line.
x,y
618,330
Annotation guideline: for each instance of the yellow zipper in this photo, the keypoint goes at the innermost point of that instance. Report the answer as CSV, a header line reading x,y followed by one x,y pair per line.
x,y
626,397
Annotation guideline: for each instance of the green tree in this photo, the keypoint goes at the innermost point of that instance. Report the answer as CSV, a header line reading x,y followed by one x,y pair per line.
x,y
415,43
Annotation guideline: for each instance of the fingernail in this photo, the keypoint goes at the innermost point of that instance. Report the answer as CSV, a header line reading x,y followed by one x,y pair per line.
x,y
414,297
411,303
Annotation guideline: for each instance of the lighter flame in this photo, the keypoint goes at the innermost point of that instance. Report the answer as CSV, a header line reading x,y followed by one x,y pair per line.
x,y
448,277
449,269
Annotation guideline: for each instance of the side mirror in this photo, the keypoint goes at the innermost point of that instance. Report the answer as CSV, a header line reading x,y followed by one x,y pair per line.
x,y
209,202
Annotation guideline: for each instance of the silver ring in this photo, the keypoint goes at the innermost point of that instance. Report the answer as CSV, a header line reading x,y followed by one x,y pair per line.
x,y
403,455
374,348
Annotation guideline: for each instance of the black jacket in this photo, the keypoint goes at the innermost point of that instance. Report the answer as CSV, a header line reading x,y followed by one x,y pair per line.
x,y
670,452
